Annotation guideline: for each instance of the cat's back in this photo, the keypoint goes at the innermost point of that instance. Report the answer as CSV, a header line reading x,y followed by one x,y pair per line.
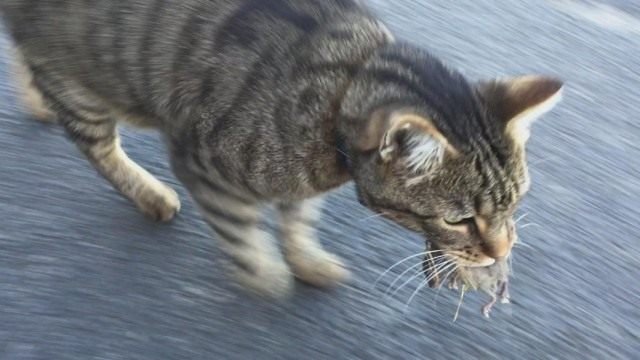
x,y
135,51
63,12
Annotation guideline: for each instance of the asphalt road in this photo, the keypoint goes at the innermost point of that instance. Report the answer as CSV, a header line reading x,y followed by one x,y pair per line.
x,y
84,276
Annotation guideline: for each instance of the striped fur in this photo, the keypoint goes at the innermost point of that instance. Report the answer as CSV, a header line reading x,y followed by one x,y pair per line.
x,y
279,101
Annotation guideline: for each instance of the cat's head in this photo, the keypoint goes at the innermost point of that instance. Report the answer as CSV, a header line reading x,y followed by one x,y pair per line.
x,y
453,167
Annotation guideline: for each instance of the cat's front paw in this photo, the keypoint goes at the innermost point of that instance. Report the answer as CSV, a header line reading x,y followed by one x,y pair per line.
x,y
266,277
318,268
159,202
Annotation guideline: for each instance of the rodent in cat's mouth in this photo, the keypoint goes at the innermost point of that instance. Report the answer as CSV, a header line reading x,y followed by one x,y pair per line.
x,y
493,279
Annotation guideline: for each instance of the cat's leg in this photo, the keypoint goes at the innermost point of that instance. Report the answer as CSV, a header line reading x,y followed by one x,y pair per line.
x,y
309,261
95,134
101,144
234,217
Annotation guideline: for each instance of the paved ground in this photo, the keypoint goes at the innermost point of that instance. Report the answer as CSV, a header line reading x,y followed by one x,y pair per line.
x,y
84,276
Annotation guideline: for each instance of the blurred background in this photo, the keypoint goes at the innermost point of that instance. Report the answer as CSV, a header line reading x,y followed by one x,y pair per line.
x,y
84,276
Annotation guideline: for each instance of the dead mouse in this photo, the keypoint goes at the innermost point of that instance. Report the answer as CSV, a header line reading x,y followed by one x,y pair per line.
x,y
492,280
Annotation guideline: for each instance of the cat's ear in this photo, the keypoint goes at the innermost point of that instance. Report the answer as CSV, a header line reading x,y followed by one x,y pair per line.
x,y
519,101
407,136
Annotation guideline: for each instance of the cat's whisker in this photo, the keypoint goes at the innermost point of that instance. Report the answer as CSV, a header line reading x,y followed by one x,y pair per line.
x,y
523,245
527,225
408,270
444,281
438,269
424,253
426,282
464,289
422,285
520,218
343,153
375,216
443,268
417,266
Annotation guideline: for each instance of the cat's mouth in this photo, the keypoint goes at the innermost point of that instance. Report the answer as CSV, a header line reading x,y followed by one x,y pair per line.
x,y
451,267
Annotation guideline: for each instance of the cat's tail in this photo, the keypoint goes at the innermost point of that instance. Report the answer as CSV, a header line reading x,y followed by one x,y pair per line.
x,y
29,96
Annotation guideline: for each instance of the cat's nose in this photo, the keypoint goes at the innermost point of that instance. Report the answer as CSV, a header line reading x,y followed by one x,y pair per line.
x,y
497,249
497,243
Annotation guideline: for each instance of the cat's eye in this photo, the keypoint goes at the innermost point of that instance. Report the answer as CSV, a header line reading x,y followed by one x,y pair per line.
x,y
459,220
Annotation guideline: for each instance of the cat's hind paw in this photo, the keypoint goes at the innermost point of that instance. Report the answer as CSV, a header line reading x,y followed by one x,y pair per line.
x,y
269,277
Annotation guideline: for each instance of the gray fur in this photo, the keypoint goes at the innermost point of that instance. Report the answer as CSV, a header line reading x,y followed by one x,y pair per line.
x,y
279,101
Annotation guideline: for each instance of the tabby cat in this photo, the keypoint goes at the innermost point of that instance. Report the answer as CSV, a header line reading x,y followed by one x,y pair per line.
x,y
277,102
